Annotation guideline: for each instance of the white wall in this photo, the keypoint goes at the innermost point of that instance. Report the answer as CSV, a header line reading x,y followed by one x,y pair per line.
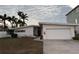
x,y
70,28
3,34
28,32
77,29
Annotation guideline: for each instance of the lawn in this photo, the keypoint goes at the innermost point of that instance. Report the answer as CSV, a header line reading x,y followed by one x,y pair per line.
x,y
24,45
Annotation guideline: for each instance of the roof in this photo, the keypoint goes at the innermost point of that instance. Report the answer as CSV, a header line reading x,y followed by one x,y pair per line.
x,y
28,26
72,10
62,24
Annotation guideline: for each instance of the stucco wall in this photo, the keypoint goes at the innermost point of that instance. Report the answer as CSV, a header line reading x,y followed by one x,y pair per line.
x,y
77,29
3,34
28,32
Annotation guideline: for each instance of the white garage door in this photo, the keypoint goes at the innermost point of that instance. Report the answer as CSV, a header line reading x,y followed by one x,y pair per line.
x,y
57,34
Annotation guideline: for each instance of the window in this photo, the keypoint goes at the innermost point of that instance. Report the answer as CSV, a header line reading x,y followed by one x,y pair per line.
x,y
20,31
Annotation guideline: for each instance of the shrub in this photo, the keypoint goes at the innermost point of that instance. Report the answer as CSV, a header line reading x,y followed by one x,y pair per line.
x,y
76,37
14,35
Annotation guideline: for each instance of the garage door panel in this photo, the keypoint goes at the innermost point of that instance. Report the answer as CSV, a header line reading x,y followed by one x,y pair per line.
x,y
58,34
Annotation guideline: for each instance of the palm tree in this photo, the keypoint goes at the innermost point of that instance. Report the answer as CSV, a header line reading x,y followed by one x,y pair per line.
x,y
4,17
9,19
19,22
22,16
13,20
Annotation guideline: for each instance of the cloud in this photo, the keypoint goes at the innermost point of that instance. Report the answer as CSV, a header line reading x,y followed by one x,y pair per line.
x,y
54,13
38,13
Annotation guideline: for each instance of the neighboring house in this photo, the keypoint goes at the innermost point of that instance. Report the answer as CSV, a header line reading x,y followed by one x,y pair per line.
x,y
57,31
73,17
2,32
30,31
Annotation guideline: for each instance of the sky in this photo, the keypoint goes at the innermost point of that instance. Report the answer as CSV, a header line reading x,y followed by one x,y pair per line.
x,y
39,13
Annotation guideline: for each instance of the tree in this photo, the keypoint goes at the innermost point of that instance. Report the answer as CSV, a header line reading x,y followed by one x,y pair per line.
x,y
12,20
22,16
15,21
4,17
19,22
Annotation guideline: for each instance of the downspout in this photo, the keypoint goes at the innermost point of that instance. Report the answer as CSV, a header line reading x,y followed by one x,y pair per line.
x,y
41,30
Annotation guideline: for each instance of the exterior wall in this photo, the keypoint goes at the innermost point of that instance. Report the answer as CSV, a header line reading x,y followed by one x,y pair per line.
x,y
73,15
28,32
71,28
3,34
77,29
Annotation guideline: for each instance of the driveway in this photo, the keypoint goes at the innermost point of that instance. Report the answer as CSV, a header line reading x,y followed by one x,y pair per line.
x,y
61,47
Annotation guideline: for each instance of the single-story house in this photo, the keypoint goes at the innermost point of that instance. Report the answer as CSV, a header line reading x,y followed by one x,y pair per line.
x,y
45,31
31,31
57,31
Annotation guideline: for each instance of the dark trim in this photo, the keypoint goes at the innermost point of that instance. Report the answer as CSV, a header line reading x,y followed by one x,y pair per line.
x,y
36,31
48,23
72,10
19,30
41,30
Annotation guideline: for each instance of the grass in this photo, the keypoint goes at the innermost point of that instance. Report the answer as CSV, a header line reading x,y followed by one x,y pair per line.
x,y
24,45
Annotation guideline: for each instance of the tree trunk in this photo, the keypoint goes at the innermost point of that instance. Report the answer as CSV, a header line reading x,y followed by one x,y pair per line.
x,y
16,25
23,21
4,24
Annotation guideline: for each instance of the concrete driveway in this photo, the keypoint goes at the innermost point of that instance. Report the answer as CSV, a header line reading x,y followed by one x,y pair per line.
x,y
61,47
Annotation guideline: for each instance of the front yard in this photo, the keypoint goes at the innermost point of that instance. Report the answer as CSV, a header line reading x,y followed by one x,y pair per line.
x,y
21,45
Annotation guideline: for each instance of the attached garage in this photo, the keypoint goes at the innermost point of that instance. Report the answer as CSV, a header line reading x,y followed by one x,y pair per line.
x,y
57,31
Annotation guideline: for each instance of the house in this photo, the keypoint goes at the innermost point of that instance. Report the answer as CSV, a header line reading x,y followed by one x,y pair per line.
x,y
2,32
45,31
57,31
54,31
73,17
31,31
